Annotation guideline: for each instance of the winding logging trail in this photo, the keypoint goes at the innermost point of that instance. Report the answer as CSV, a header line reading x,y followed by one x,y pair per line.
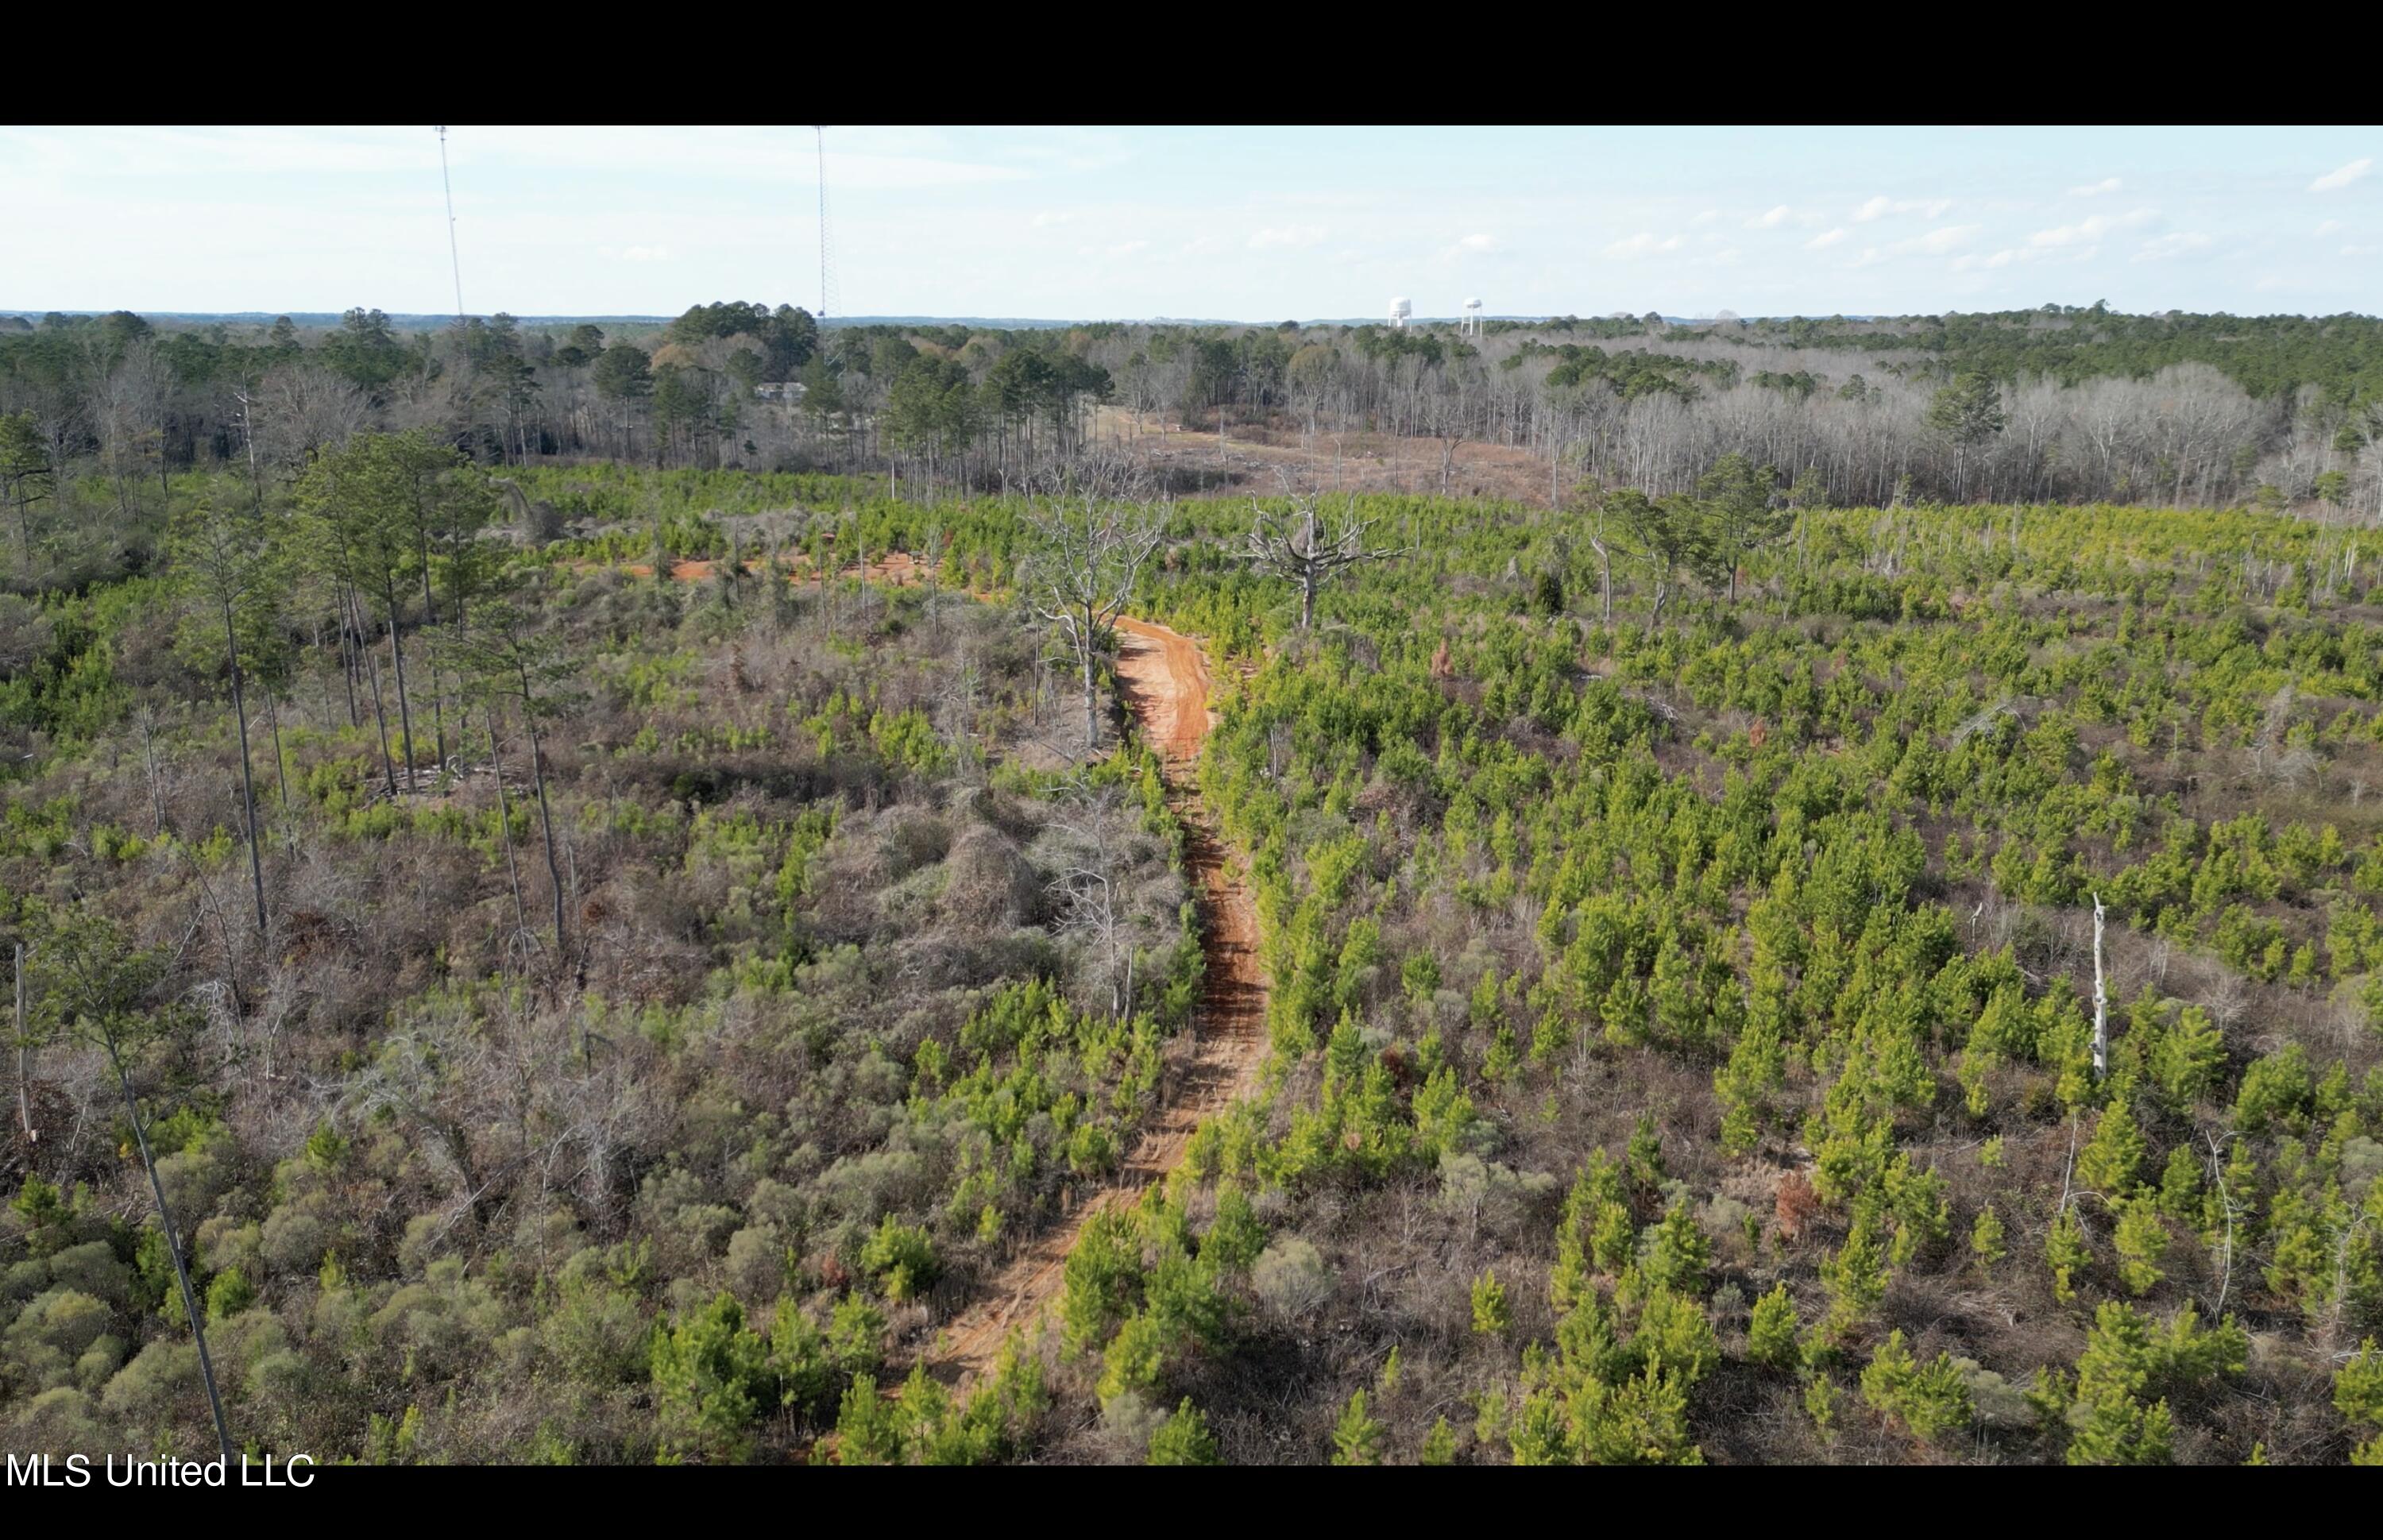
x,y
1166,682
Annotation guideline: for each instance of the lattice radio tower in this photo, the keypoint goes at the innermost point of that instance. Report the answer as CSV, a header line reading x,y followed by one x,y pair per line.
x,y
826,246
453,256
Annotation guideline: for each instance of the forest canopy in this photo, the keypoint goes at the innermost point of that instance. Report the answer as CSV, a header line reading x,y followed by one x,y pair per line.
x,y
2068,403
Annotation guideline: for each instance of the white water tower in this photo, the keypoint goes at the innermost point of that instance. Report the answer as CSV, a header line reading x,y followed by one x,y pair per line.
x,y
1472,317
1401,309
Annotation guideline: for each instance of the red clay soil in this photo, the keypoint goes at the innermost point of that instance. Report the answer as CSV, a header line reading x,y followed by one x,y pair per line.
x,y
1166,680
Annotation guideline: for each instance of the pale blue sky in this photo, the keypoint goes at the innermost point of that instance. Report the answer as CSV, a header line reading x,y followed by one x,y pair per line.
x,y
1244,223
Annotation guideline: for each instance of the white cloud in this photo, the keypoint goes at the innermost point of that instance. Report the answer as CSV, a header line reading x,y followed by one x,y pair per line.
x,y
1826,240
2071,249
1880,207
1642,244
2174,243
1771,220
1951,237
2334,181
2086,232
1286,236
1706,217
638,254
2329,226
2017,255
2095,189
1475,245
1127,248
2361,251
1942,242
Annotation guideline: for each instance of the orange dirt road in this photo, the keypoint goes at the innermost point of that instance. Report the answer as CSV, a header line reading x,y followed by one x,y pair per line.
x,y
1165,679
1167,683
1166,687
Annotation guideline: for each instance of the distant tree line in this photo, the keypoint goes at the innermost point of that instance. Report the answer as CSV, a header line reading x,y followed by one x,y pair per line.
x,y
2056,404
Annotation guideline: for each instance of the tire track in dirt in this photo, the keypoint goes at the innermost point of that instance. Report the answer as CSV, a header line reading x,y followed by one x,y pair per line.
x,y
1166,681
1166,685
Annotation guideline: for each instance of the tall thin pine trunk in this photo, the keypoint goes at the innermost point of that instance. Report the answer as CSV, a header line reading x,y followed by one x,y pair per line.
x,y
347,676
404,712
247,771
505,822
380,713
174,1249
545,813
430,650
149,754
280,756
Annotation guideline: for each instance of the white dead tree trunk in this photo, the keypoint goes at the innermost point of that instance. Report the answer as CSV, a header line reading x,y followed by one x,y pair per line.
x,y
2226,1204
2101,1001
24,1061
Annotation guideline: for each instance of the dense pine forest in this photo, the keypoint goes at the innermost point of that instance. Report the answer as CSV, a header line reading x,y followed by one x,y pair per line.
x,y
583,898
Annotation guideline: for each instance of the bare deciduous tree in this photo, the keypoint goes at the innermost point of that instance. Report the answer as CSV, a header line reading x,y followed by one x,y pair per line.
x,y
301,410
1306,551
1090,546
1093,888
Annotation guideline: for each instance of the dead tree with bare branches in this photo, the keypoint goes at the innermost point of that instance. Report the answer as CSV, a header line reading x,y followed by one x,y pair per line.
x,y
1304,549
1090,548
1095,853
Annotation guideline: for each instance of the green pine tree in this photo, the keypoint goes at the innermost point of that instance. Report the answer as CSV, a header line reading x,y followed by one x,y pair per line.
x,y
1358,1438
1677,1252
1183,1438
2140,1240
866,1428
1490,1314
1771,1335
2108,1163
2065,1248
1986,1238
